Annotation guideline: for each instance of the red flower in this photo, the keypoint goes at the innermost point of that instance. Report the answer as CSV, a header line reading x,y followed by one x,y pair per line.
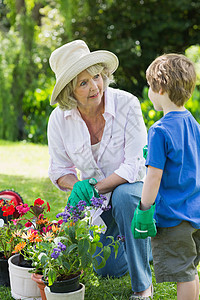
x,y
28,224
38,201
48,207
14,201
8,210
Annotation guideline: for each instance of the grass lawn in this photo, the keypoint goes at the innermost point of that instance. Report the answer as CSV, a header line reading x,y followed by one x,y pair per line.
x,y
23,167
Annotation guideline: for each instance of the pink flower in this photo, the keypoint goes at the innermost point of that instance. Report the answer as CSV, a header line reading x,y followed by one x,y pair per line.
x,y
60,222
23,208
14,221
46,229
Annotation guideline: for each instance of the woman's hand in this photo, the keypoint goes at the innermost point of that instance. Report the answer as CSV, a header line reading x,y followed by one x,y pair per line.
x,y
82,190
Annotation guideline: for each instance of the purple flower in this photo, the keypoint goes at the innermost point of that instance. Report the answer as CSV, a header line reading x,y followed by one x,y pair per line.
x,y
65,215
56,253
121,238
62,246
73,213
99,202
105,208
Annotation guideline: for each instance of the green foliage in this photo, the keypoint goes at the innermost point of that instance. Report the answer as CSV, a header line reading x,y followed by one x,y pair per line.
x,y
137,31
193,104
7,241
26,79
151,116
193,53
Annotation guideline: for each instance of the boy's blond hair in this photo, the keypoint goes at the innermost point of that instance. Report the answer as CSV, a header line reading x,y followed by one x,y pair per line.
x,y
174,74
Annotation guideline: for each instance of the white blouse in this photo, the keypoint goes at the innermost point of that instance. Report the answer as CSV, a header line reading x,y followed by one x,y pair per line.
x,y
95,150
120,149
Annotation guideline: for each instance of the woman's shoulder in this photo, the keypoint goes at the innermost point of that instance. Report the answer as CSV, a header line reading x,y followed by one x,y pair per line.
x,y
122,96
56,115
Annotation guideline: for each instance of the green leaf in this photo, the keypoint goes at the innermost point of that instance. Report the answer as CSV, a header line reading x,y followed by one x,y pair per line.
x,y
83,246
43,259
106,252
95,263
70,248
51,276
116,247
66,265
72,233
111,237
86,259
92,249
102,264
99,244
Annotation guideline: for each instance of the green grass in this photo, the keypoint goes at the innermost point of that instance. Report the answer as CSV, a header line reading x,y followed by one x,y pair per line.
x,y
23,167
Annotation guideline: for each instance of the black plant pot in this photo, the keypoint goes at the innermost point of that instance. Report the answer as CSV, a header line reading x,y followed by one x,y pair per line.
x,y
65,286
4,273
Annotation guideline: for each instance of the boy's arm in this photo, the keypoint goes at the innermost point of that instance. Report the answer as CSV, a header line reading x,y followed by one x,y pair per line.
x,y
143,224
151,187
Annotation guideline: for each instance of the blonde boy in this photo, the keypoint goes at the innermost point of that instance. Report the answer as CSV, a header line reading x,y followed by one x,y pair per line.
x,y
171,192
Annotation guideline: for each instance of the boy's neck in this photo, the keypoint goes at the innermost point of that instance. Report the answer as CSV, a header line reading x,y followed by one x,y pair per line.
x,y
169,106
166,110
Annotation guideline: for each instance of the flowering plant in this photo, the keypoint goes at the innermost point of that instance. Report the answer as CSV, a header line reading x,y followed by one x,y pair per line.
x,y
35,225
70,245
7,240
28,223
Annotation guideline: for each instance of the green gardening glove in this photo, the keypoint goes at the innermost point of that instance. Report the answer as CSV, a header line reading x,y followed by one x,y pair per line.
x,y
145,151
143,223
83,190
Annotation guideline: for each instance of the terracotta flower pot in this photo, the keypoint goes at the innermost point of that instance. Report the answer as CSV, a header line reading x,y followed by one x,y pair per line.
x,y
38,279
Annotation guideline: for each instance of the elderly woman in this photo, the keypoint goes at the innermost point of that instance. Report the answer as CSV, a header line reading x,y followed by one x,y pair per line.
x,y
100,131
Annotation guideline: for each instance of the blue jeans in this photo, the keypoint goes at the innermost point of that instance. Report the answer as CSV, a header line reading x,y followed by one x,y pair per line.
x,y
133,255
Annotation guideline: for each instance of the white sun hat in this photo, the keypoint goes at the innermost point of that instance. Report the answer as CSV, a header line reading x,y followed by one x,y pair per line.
x,y
72,58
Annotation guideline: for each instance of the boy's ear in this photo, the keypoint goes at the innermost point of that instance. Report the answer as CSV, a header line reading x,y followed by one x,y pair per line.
x,y
161,92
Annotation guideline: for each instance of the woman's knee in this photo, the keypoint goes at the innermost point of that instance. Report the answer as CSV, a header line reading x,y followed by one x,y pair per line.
x,y
127,194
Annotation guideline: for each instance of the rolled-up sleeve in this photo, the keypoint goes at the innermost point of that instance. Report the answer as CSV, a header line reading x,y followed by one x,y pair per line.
x,y
133,166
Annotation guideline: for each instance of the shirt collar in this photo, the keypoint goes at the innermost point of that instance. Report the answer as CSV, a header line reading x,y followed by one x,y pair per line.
x,y
109,102
73,113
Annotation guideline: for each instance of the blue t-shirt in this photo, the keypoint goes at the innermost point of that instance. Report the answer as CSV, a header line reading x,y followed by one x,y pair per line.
x,y
174,147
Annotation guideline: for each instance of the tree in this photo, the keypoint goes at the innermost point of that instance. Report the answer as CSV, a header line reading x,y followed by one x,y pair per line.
x,y
25,71
136,31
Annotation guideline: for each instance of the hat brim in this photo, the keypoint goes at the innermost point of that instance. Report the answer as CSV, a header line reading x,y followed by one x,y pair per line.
x,y
100,56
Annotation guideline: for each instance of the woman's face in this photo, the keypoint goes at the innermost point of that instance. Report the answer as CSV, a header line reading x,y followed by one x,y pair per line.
x,y
89,90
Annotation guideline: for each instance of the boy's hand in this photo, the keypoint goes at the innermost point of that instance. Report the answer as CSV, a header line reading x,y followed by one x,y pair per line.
x,y
143,223
82,190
